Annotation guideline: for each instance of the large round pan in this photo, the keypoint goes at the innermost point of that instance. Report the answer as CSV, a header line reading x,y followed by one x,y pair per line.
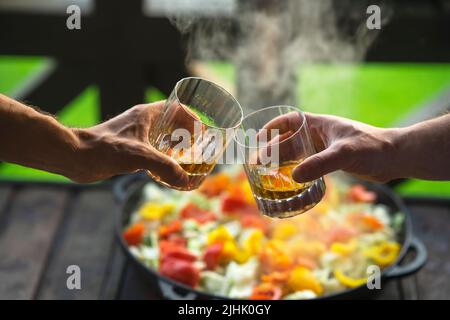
x,y
128,192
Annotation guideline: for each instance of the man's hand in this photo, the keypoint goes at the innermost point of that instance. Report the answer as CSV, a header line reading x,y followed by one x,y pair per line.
x,y
419,151
352,146
121,145
33,139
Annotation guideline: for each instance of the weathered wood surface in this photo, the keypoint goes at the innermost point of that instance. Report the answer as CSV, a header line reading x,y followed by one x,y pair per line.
x,y
43,230
432,225
85,239
5,194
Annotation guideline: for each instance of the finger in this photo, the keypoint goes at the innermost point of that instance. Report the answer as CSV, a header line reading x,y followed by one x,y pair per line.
x,y
320,164
280,148
289,121
317,125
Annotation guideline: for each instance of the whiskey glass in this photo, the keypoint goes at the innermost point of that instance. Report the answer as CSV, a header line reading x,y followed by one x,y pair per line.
x,y
195,126
272,142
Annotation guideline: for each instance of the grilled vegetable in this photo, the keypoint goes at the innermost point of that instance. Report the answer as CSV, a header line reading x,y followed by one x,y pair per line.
x,y
214,239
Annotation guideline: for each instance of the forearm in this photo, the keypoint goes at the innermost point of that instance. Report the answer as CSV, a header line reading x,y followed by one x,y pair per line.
x,y
36,140
423,150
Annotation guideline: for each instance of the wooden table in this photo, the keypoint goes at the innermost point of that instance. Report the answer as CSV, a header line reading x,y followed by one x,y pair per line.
x,y
45,228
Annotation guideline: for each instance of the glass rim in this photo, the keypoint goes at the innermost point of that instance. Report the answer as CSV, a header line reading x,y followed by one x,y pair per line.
x,y
265,109
216,86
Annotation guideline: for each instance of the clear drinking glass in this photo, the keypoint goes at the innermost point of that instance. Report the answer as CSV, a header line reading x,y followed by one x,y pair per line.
x,y
197,123
272,142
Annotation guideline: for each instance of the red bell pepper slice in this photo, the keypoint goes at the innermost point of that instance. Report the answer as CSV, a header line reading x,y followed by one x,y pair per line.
x,y
172,250
233,204
191,211
180,270
172,227
358,193
266,291
212,255
254,221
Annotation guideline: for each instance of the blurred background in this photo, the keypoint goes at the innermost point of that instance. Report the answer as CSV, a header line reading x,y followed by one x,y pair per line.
x,y
315,54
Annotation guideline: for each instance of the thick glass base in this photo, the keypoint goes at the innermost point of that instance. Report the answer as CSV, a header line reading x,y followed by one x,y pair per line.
x,y
286,208
194,182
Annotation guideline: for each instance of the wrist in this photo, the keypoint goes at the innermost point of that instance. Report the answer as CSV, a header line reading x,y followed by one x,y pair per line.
x,y
399,164
83,165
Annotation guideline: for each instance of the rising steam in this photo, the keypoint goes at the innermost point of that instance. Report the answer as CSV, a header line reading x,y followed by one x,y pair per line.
x,y
268,39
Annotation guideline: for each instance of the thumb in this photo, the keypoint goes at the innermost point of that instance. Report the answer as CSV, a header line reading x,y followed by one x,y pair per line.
x,y
318,165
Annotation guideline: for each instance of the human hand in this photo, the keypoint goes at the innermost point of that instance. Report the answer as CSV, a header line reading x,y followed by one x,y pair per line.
x,y
362,150
120,145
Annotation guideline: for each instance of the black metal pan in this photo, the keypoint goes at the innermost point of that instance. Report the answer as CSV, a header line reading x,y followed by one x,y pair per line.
x,y
128,192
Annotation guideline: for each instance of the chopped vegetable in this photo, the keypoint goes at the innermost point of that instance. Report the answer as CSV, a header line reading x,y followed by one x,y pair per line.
x,y
169,250
347,281
303,279
155,211
266,291
344,249
221,235
278,278
384,253
214,185
180,270
212,282
212,255
134,234
168,229
284,230
192,211
214,239
301,295
359,193
233,204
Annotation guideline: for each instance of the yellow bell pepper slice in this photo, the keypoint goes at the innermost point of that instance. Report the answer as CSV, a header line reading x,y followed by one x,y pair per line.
x,y
302,278
384,253
343,249
347,281
284,230
231,251
220,234
155,211
253,243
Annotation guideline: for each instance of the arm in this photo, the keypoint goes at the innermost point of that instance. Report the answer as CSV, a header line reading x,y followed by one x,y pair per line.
x,y
420,151
120,145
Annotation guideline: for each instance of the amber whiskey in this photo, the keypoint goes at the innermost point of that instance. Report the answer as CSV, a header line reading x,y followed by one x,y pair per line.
x,y
273,183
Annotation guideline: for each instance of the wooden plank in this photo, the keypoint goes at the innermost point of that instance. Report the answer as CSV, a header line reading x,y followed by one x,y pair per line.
x,y
431,225
26,235
85,239
5,193
114,275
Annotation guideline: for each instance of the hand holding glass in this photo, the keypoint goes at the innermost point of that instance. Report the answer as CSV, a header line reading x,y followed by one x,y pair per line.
x,y
272,142
195,127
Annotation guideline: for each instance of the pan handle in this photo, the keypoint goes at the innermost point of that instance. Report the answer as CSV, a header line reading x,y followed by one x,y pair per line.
x,y
120,187
413,266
